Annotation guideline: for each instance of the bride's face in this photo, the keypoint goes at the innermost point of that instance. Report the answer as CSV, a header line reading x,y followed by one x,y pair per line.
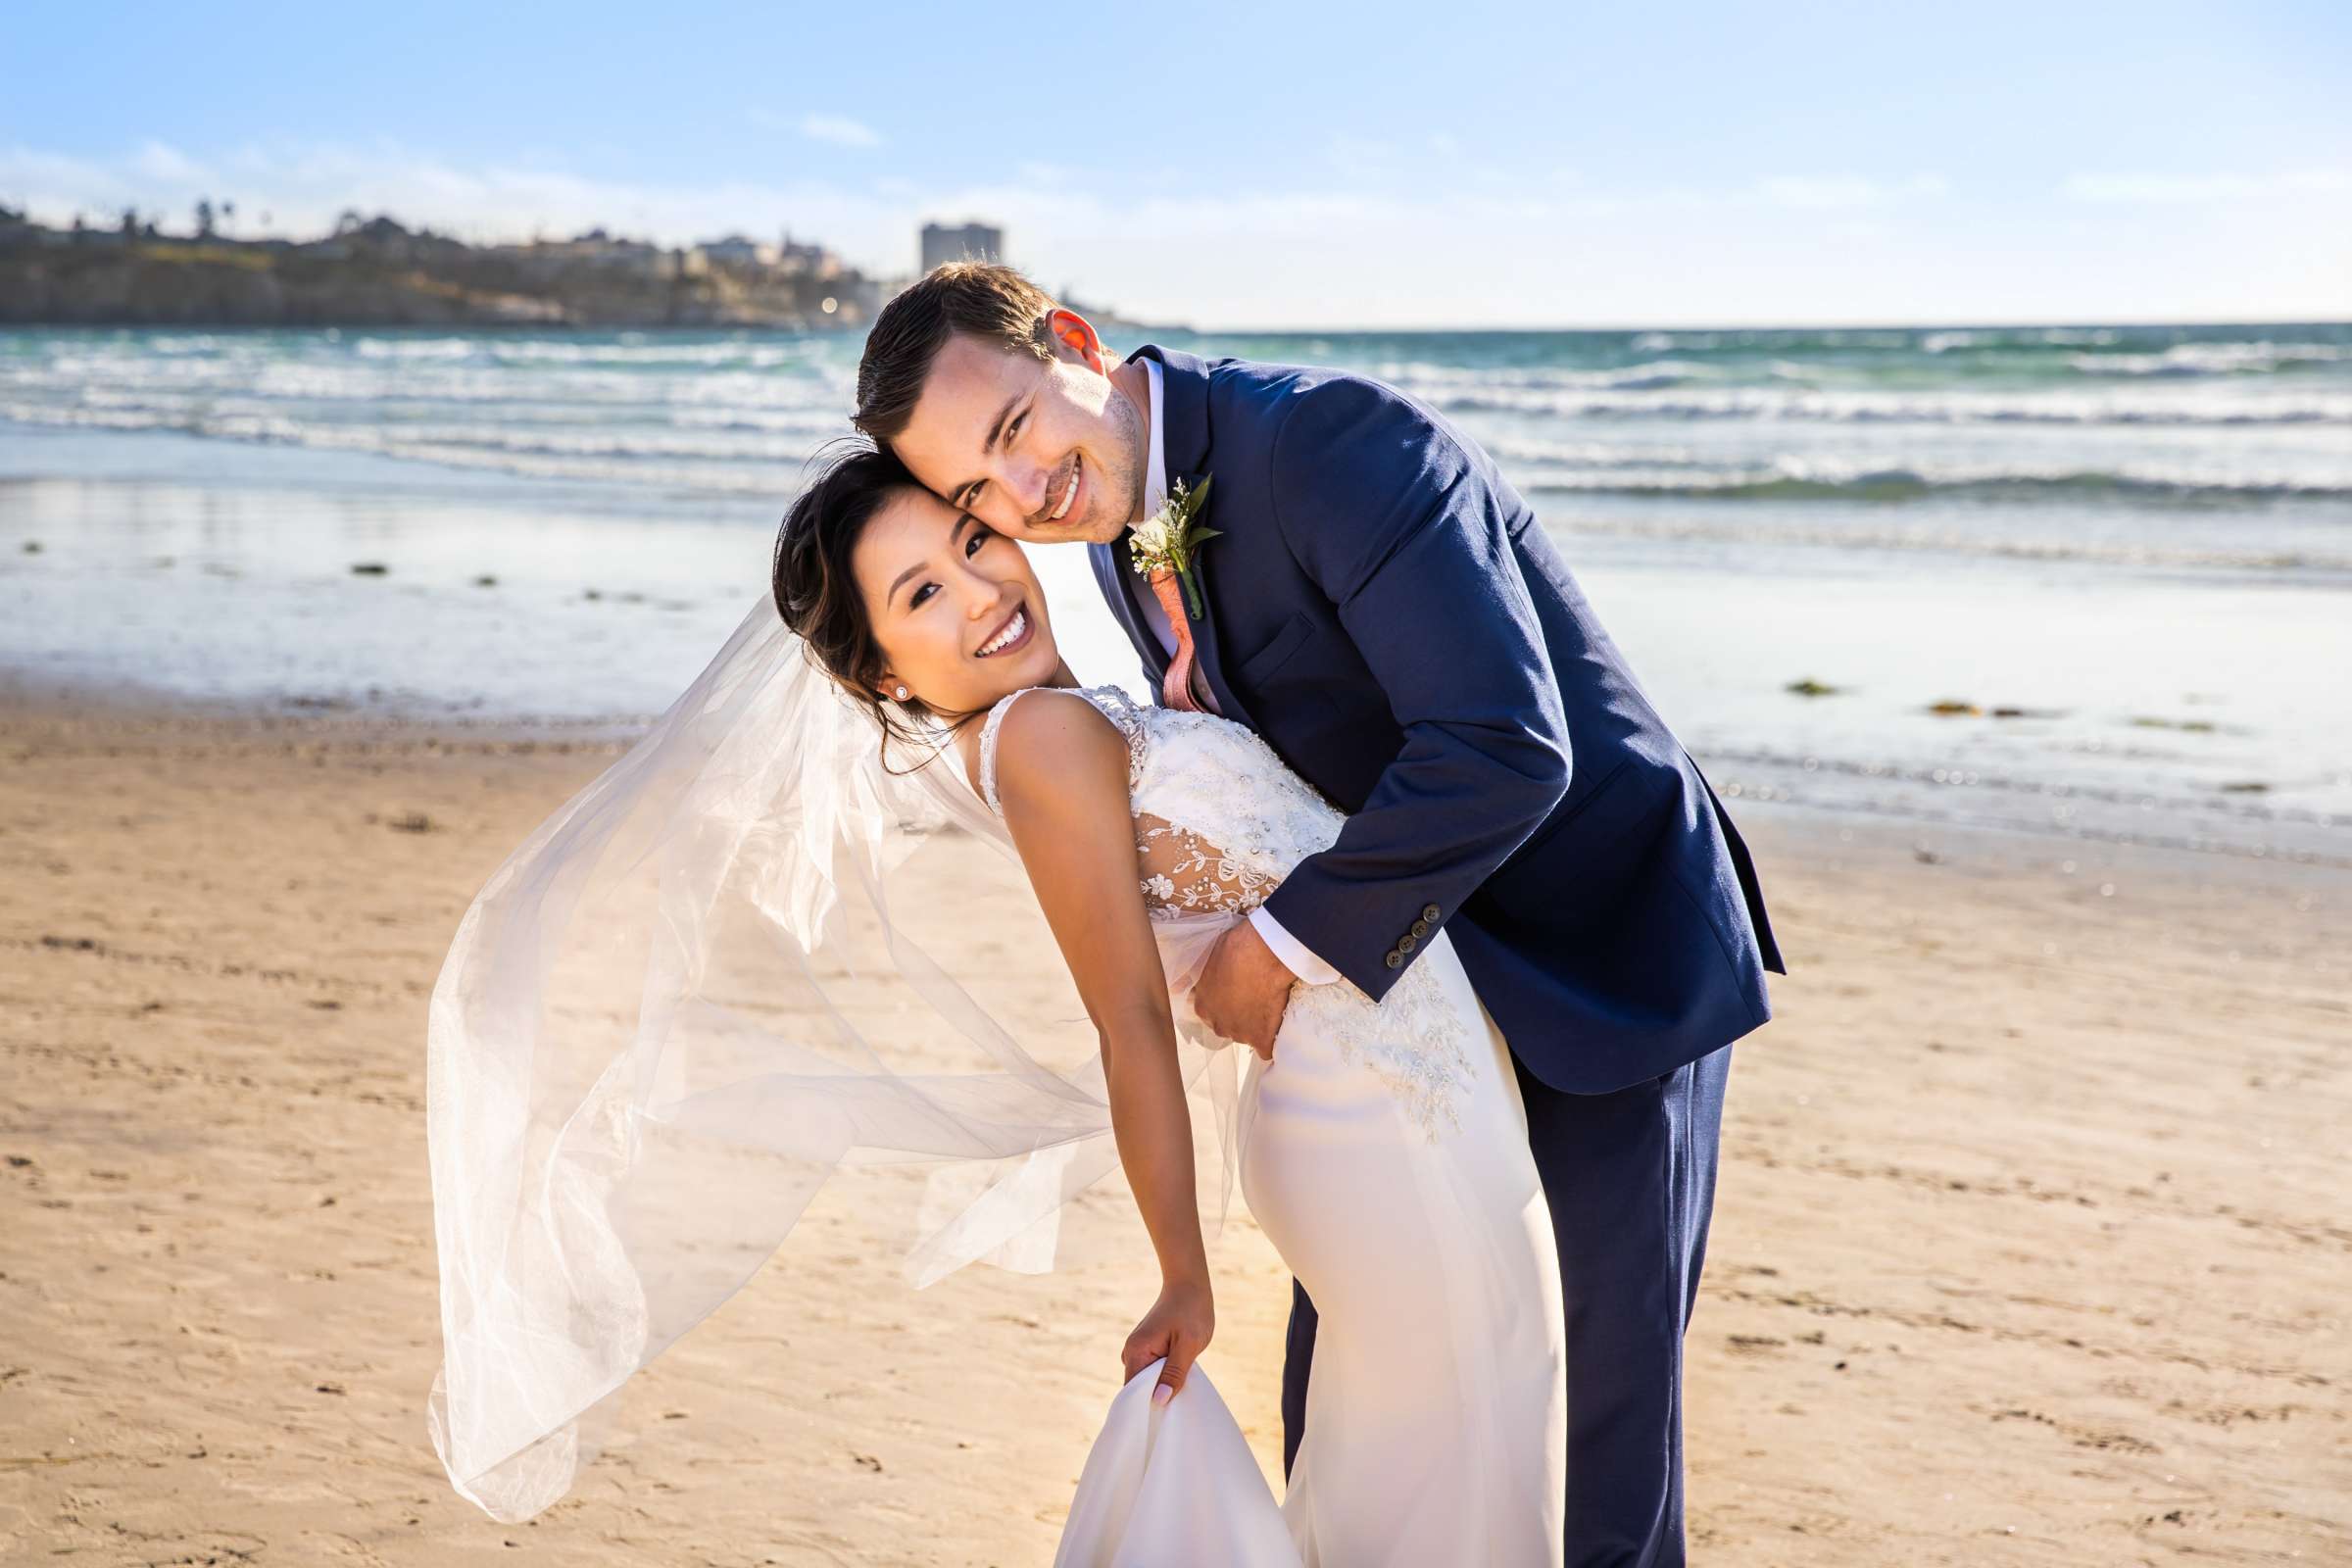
x,y
955,608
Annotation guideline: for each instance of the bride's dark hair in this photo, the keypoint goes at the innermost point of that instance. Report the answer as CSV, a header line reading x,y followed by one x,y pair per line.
x,y
816,591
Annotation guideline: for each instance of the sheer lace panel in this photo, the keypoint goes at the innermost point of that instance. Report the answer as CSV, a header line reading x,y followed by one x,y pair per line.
x,y
1180,873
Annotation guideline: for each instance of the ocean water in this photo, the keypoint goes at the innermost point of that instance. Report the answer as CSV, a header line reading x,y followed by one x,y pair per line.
x,y
2194,446
2128,550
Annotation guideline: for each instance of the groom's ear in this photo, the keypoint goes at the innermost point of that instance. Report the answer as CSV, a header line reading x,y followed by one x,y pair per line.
x,y
1074,339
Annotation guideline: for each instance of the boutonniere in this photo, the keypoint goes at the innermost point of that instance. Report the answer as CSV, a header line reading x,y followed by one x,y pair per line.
x,y
1164,544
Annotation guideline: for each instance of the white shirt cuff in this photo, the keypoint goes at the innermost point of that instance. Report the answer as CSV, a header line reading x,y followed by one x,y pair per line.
x,y
1291,950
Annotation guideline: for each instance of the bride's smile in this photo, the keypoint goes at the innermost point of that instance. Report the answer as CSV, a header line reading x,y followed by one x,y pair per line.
x,y
1013,636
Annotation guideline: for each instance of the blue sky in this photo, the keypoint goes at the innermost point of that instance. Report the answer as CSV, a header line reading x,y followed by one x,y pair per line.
x,y
1452,163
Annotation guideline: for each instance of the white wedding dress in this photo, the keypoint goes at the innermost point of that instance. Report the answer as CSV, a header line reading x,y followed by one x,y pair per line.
x,y
1384,1151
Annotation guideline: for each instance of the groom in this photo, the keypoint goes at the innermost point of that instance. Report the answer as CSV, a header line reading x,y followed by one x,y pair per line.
x,y
1385,611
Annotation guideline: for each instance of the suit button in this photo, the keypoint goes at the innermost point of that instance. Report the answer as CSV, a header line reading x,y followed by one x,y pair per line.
x,y
1394,960
1421,927
1406,944
1429,911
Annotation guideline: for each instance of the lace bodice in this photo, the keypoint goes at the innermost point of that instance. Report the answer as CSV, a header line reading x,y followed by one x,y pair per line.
x,y
1219,821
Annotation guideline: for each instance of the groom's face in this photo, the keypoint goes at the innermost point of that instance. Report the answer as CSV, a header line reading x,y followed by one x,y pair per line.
x,y
1046,451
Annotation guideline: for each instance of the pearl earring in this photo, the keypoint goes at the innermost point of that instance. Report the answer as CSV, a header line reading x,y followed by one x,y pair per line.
x,y
901,694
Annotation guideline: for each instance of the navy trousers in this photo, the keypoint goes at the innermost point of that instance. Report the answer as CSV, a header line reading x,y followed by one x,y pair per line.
x,y
1630,1178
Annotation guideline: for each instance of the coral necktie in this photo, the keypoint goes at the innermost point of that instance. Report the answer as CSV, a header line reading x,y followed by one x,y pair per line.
x,y
1176,688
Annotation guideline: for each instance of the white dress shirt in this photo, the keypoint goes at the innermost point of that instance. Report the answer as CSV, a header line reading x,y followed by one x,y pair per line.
x,y
1293,954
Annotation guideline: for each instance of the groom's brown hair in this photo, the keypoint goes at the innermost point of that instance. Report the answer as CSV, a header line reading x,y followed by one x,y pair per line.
x,y
977,299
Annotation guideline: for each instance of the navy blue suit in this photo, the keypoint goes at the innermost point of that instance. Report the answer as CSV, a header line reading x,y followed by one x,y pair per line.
x,y
1383,608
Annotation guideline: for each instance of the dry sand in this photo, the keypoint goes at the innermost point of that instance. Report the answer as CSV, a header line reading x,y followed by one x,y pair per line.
x,y
2031,1247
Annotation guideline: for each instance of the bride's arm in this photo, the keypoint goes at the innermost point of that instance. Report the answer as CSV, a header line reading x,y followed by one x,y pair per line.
x,y
1061,779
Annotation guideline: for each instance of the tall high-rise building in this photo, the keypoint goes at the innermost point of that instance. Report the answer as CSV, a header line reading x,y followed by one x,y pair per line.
x,y
962,242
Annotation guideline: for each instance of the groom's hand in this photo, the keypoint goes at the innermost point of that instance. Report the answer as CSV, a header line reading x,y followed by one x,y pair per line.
x,y
1244,989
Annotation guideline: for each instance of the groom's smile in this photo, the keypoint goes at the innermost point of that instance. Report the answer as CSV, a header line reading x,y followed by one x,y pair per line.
x,y
1063,493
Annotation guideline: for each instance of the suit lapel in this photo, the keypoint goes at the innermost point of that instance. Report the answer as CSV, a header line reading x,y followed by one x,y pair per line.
x,y
1117,585
1185,448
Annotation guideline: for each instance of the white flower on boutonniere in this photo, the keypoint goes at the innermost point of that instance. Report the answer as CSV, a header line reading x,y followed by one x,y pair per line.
x,y
1164,544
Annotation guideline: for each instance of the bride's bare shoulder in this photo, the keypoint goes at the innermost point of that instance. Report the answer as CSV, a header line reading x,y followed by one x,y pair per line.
x,y
1052,744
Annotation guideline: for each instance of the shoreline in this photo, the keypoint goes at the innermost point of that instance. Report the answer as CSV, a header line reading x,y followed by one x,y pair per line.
x,y
2028,1246
2077,708
1745,780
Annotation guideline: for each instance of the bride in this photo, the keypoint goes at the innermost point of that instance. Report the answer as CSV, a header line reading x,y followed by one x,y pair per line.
x,y
1382,1147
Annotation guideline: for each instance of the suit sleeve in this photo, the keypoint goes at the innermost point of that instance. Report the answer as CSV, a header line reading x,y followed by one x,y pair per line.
x,y
1402,529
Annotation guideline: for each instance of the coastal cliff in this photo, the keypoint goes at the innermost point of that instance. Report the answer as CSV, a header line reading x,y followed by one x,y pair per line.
x,y
381,275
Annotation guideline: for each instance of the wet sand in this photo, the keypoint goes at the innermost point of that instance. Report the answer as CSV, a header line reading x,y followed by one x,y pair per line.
x,y
2031,1245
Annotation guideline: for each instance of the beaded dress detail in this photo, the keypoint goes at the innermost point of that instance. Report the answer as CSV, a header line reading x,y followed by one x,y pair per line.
x,y
1219,821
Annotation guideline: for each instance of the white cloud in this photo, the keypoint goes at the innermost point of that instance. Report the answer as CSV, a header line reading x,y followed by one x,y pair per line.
x,y
2174,189
55,186
157,161
839,130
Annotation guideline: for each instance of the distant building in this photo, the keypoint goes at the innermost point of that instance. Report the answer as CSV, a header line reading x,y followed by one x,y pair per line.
x,y
737,251
379,237
634,257
595,251
962,242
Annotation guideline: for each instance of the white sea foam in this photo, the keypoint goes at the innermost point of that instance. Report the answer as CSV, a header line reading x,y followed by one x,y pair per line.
x,y
2211,359
1424,379
1817,404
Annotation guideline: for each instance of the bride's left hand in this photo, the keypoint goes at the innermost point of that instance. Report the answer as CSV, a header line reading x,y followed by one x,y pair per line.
x,y
1178,1328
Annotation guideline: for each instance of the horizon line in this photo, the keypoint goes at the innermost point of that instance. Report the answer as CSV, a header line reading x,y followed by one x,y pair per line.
x,y
1144,328
1978,325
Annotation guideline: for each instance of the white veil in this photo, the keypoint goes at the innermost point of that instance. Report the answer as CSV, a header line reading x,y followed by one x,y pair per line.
x,y
686,1002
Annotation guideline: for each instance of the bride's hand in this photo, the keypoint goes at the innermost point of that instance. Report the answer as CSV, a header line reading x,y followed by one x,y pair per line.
x,y
1178,1327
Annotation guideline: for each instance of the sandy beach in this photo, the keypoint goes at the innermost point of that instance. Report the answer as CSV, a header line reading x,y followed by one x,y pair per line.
x,y
2029,1245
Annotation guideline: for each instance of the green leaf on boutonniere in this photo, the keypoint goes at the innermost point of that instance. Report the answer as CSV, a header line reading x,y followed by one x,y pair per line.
x,y
1168,539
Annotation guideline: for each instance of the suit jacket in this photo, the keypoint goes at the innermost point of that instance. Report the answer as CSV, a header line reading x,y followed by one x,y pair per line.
x,y
1383,608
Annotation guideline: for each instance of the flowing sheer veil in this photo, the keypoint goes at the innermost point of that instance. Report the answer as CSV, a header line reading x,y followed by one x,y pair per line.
x,y
692,997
